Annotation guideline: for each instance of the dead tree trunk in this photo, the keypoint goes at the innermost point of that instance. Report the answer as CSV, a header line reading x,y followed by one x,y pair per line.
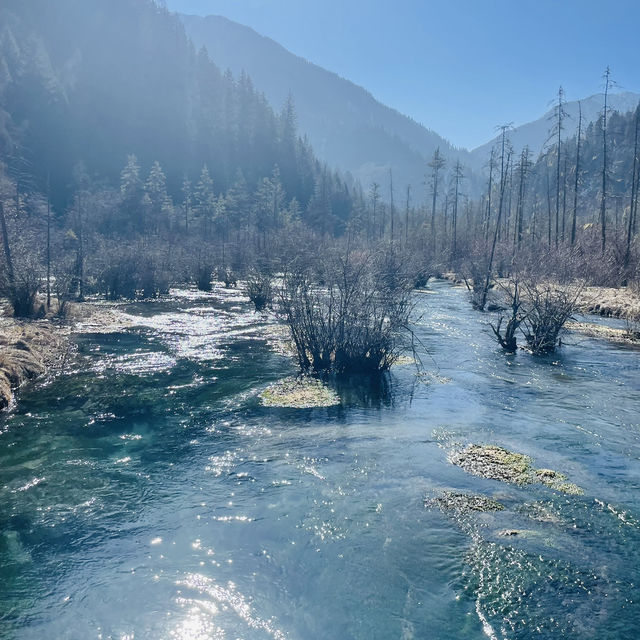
x,y
577,176
603,197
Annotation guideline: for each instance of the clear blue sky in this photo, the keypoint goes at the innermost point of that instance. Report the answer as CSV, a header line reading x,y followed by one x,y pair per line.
x,y
460,67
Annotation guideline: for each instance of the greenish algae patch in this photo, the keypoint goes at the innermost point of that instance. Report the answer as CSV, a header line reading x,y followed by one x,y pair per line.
x,y
496,463
299,393
557,481
463,502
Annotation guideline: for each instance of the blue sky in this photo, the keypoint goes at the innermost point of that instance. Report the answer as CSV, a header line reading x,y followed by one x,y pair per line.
x,y
460,67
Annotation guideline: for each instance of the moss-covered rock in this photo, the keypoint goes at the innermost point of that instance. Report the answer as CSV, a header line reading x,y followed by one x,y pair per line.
x,y
299,393
463,502
557,481
496,463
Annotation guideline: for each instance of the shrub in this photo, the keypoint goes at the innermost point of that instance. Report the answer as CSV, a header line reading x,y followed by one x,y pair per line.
x,y
548,307
22,291
507,339
228,277
354,321
130,274
259,288
204,273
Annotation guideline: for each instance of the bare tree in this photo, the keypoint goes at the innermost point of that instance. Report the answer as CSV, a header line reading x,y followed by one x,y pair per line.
x,y
437,164
505,158
406,215
458,175
374,196
392,211
577,176
634,188
487,213
48,241
523,170
507,339
346,314
605,168
559,114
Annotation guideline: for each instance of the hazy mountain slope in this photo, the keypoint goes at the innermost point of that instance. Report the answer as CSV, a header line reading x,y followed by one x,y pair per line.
x,y
536,133
346,126
88,82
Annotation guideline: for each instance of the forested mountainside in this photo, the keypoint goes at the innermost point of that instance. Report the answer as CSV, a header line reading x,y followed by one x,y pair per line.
x,y
347,127
84,81
535,134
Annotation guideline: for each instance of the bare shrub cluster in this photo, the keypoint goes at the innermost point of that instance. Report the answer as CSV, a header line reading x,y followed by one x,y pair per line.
x,y
539,310
259,288
347,314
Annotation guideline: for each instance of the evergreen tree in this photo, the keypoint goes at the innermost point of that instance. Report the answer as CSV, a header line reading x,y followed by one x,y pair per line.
x,y
205,200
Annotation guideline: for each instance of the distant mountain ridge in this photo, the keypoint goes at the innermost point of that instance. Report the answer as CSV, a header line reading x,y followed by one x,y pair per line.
x,y
348,128
535,134
346,125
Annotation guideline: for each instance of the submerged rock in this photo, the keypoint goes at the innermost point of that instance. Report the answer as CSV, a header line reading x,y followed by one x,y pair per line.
x,y
506,533
557,481
299,393
463,502
496,463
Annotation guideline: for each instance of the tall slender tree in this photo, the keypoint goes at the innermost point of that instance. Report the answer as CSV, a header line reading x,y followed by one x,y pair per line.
x,y
406,215
577,176
605,167
523,170
458,175
392,208
374,197
634,187
436,165
559,114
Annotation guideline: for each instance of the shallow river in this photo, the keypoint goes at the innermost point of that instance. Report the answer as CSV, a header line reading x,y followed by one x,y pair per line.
x,y
149,494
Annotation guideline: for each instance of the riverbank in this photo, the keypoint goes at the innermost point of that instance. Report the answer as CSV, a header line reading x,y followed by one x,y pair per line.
x,y
608,302
30,349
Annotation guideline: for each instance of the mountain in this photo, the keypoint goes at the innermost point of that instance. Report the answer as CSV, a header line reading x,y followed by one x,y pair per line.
x,y
535,134
346,125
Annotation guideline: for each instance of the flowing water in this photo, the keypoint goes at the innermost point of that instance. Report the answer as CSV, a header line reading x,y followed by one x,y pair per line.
x,y
148,494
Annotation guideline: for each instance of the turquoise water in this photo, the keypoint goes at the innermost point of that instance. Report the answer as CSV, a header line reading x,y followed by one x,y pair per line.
x,y
149,495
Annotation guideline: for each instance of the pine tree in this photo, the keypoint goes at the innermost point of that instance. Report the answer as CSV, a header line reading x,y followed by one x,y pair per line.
x,y
131,192
156,190
205,200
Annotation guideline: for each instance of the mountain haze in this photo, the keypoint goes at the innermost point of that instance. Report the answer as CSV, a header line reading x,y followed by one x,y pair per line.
x,y
346,125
